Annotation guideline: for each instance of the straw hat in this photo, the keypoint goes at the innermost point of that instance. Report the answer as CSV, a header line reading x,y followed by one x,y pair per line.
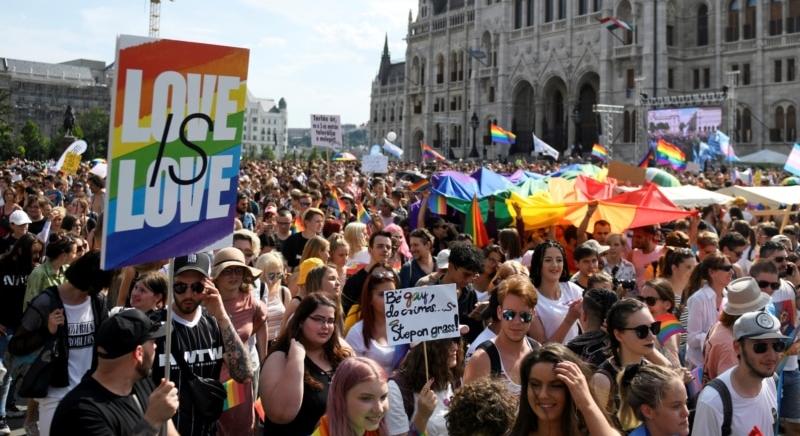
x,y
744,296
230,256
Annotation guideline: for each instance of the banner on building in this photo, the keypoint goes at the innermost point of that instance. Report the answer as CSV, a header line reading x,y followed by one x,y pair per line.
x,y
174,147
326,131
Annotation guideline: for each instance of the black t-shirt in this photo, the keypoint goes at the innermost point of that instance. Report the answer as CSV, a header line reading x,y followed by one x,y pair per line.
x,y
91,409
201,344
351,293
36,226
292,249
6,242
466,304
311,409
12,294
592,347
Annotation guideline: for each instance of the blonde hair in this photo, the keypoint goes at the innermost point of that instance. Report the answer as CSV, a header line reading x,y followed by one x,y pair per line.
x,y
354,235
273,258
314,248
255,242
337,241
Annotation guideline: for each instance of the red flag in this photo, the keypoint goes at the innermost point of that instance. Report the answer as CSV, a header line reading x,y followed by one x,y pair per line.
x,y
474,225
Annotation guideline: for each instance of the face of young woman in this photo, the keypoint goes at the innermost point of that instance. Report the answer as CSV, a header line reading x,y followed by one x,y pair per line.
x,y
319,326
377,296
143,298
615,247
671,416
330,283
547,395
452,354
231,278
629,338
684,269
552,264
661,307
339,257
367,403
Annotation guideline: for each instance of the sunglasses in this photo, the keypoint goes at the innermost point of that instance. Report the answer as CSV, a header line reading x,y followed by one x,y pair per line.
x,y
763,284
525,317
274,276
650,301
726,268
779,259
180,288
382,275
761,347
644,330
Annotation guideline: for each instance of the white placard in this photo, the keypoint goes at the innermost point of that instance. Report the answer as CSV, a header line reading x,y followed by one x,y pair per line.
x,y
693,167
375,164
421,314
326,131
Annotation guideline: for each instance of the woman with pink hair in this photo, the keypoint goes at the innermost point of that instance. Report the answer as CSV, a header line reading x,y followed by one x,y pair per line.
x,y
400,251
357,400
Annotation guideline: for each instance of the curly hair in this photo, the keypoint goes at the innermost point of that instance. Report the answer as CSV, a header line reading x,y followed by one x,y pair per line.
x,y
482,408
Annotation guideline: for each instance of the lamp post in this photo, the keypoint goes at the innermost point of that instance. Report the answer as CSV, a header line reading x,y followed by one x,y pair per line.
x,y
474,122
576,118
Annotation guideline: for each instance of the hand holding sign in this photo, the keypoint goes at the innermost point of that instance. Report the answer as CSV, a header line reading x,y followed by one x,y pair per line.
x,y
421,314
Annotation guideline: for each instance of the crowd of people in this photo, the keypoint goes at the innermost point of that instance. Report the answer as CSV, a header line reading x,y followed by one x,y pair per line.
x,y
658,330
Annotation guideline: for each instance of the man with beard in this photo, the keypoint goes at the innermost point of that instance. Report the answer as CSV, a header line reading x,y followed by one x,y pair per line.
x,y
421,243
751,392
243,212
203,337
119,398
645,252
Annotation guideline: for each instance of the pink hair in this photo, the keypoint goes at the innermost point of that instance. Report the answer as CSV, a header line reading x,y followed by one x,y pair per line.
x,y
403,248
350,372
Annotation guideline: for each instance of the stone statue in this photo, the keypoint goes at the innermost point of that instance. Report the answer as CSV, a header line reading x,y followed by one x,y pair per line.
x,y
69,121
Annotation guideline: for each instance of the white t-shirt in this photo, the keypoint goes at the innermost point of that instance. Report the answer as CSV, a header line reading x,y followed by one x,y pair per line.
x,y
397,419
486,335
80,333
758,411
383,355
552,312
784,294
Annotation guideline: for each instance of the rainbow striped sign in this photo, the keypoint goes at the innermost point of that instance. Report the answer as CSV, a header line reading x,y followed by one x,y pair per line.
x,y
175,140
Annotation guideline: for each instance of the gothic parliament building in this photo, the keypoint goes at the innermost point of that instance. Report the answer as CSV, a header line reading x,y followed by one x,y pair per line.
x,y
539,66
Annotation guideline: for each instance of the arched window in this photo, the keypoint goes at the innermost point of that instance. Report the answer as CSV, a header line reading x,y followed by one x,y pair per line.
x,y
583,7
747,129
517,14
440,69
780,125
732,29
597,4
562,9
702,25
775,17
548,11
529,15
749,30
421,80
626,127
453,66
791,124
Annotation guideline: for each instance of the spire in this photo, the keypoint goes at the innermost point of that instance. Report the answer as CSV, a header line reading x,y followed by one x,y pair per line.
x,y
386,46
410,19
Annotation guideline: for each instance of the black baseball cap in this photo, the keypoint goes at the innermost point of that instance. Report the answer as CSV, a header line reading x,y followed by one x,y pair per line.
x,y
123,332
200,262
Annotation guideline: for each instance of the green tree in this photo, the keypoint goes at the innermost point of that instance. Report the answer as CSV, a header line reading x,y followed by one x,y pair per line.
x,y
8,148
314,155
35,145
267,153
94,126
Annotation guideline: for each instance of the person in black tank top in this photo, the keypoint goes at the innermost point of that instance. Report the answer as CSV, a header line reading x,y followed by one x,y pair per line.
x,y
296,375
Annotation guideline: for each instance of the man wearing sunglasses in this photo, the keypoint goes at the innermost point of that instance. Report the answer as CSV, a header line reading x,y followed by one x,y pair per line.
x,y
502,356
749,385
203,336
732,246
776,253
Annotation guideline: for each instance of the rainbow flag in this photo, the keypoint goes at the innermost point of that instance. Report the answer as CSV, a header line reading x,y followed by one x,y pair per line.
x,y
429,153
258,406
599,151
669,154
335,202
236,394
419,186
474,225
669,326
298,225
437,204
363,215
793,162
502,136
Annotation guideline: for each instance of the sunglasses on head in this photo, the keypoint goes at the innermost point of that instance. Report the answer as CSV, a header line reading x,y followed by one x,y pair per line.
x,y
643,330
763,284
650,301
761,347
525,317
382,274
180,288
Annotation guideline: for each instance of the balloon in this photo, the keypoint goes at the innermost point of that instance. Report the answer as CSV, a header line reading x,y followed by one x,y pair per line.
x,y
391,136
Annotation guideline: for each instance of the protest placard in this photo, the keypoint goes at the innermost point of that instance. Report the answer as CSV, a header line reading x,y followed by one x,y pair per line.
x,y
175,139
626,174
71,163
375,164
421,314
326,131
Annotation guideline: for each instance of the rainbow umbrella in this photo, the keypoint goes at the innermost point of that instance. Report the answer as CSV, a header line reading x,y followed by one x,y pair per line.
x,y
791,181
662,178
344,157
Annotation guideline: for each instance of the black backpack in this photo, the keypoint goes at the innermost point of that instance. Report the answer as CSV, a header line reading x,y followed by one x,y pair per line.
x,y
494,355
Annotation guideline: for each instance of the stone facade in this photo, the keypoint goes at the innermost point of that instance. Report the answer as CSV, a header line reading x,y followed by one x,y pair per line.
x,y
41,92
265,126
540,66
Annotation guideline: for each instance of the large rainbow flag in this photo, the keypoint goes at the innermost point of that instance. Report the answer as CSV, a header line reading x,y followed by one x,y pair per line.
x,y
429,153
599,151
669,326
474,225
669,154
501,135
175,141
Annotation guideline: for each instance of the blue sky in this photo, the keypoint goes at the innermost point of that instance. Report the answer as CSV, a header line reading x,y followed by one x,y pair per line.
x,y
321,55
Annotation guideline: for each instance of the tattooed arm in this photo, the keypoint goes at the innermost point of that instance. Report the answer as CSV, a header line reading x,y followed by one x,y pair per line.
x,y
235,355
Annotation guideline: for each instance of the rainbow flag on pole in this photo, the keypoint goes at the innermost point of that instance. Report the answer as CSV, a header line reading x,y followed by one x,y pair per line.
x,y
669,326
793,162
236,394
474,225
363,215
502,136
429,153
437,204
336,203
669,154
600,152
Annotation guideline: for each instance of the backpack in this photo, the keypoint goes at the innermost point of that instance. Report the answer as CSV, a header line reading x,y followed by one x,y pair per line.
x,y
494,355
727,404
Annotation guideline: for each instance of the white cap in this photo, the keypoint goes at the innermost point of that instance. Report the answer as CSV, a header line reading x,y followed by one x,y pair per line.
x,y
19,218
443,259
757,325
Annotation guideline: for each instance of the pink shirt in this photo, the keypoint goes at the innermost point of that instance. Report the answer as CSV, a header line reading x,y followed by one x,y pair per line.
x,y
718,353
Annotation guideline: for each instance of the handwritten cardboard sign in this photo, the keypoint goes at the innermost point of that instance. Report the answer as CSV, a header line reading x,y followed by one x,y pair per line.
x,y
626,174
377,164
421,314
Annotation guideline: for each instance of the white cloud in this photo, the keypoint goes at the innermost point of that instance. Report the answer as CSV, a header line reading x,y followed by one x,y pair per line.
x,y
272,41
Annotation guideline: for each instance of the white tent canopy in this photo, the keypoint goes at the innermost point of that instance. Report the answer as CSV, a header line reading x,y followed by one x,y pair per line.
x,y
765,156
771,196
692,196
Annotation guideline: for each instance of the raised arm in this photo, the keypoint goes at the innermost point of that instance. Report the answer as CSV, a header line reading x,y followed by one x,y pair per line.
x,y
282,383
235,355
